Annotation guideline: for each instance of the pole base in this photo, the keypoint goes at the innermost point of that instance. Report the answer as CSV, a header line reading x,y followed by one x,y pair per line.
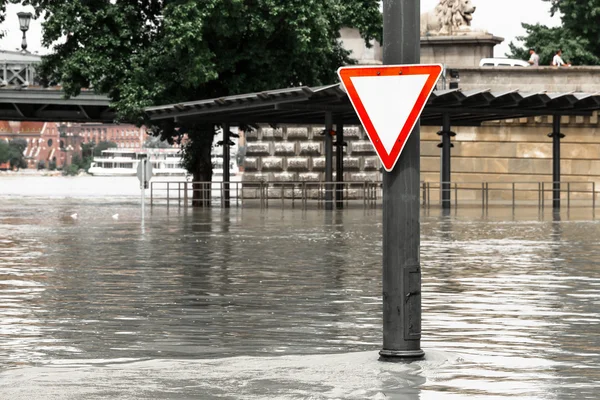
x,y
400,355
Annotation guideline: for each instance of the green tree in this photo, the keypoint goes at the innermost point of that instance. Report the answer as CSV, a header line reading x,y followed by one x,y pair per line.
x,y
103,146
4,151
16,157
143,53
87,149
578,36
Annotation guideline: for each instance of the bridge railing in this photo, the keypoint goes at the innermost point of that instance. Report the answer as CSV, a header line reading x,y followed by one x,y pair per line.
x,y
18,74
369,194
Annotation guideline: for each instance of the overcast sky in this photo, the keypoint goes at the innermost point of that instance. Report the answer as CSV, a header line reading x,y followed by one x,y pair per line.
x,y
500,17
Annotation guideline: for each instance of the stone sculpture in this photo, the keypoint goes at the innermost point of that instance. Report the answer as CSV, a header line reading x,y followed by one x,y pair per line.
x,y
449,17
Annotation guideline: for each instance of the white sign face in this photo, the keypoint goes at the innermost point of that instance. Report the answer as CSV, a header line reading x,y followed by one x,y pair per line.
x,y
388,100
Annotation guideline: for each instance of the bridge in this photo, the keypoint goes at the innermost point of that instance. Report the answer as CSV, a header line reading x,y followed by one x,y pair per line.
x,y
22,98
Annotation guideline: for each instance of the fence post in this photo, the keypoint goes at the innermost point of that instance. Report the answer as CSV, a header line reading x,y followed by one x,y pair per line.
x,y
482,195
282,194
293,194
347,186
266,188
513,195
185,194
428,194
168,197
568,194
594,195
487,195
151,193
543,190
455,194
304,201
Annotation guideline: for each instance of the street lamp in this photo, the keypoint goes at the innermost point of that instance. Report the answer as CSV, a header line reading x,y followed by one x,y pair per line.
x,y
24,19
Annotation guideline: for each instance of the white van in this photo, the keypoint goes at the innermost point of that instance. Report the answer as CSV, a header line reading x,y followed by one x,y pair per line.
x,y
502,62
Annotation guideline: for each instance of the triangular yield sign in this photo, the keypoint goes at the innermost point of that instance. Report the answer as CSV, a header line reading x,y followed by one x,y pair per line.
x,y
389,100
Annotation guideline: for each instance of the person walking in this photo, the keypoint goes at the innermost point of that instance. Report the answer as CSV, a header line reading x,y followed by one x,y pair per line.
x,y
534,60
557,61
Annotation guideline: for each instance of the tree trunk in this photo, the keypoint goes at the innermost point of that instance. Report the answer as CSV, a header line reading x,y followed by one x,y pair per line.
x,y
202,182
199,151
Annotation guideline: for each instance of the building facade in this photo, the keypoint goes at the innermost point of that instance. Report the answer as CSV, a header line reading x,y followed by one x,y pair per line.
x,y
56,143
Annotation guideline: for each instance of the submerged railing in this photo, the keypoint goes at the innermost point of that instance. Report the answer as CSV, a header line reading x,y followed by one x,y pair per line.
x,y
369,194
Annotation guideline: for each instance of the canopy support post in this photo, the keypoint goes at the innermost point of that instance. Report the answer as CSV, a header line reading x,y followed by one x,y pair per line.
x,y
445,170
328,161
556,135
339,160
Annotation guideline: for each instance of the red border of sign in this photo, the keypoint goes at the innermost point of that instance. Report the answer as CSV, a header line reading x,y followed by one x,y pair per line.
x,y
345,73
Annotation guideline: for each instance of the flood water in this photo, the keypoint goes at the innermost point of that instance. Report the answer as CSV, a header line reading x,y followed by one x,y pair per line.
x,y
284,304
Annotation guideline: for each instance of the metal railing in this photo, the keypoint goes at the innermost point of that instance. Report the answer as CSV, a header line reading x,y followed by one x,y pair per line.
x,y
536,193
369,194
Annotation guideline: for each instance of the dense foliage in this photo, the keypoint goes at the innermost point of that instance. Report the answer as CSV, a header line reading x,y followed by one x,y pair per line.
x,y
150,52
578,36
13,153
103,145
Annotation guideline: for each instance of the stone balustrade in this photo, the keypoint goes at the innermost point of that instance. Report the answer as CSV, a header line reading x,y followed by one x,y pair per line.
x,y
531,79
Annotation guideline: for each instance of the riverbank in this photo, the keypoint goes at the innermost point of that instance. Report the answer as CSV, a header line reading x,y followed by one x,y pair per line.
x,y
37,172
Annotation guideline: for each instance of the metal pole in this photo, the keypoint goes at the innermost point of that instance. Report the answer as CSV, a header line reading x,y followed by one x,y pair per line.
x,y
142,185
487,195
556,136
482,195
226,158
543,194
401,227
328,161
455,194
445,170
339,161
185,194
513,195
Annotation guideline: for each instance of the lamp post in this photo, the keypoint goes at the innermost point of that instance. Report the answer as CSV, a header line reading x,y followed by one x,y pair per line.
x,y
24,19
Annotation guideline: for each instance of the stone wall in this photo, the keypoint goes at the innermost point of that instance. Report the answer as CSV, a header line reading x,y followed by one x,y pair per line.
x,y
297,153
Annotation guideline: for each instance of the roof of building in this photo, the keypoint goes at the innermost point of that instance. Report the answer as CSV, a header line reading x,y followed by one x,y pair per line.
x,y
307,105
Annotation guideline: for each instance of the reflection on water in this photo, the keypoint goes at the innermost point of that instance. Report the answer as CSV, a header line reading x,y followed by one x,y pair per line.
x,y
95,307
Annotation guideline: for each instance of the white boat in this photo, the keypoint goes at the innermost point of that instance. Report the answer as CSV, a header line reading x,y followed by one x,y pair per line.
x,y
165,162
124,162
